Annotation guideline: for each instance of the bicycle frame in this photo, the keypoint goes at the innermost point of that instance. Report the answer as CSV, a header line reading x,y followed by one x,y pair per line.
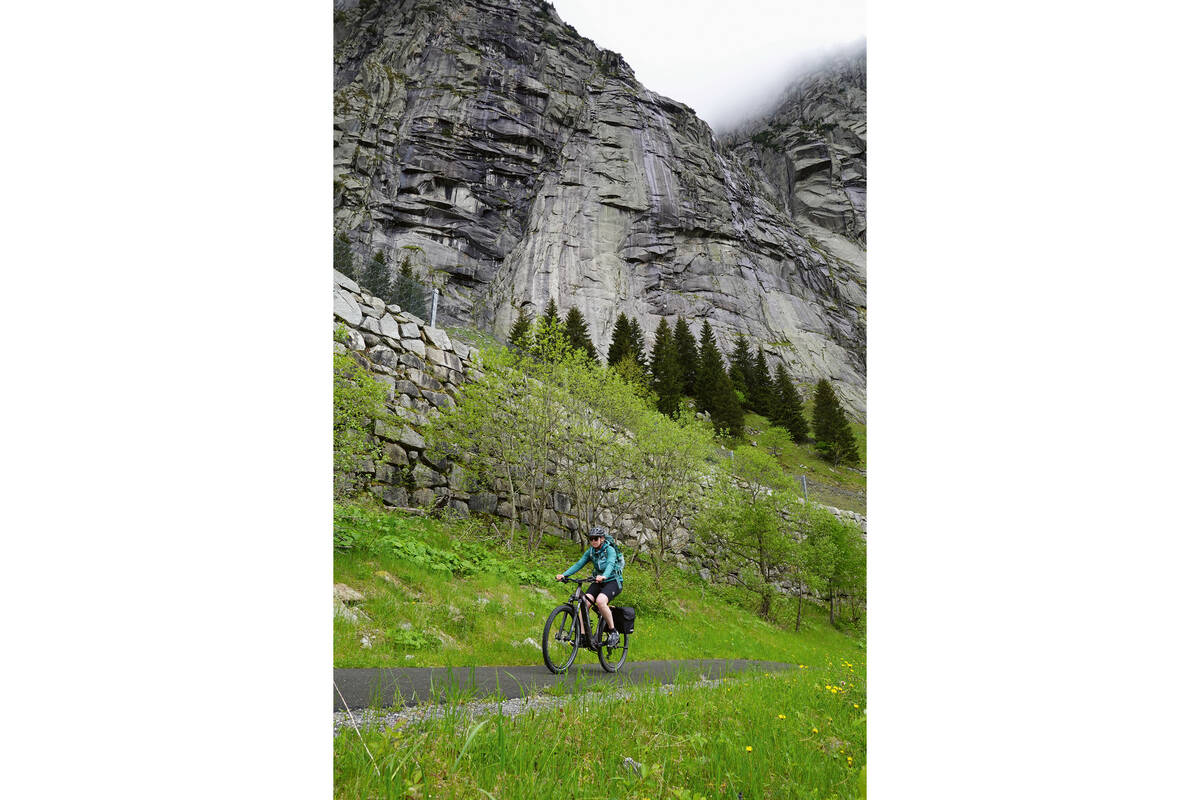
x,y
577,601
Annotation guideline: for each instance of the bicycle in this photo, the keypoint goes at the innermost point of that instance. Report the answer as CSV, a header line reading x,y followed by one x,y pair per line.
x,y
560,637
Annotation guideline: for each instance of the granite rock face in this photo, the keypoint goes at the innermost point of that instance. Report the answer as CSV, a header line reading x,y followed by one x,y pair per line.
x,y
809,154
491,144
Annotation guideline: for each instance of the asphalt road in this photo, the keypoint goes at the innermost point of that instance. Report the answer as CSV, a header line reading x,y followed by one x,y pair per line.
x,y
363,688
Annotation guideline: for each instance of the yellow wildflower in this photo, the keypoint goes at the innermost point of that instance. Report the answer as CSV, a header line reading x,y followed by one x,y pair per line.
x,y
748,748
814,730
783,716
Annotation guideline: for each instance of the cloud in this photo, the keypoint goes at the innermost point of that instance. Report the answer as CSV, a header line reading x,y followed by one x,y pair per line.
x,y
725,60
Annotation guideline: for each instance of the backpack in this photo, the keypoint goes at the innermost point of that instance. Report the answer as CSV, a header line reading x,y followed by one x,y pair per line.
x,y
619,572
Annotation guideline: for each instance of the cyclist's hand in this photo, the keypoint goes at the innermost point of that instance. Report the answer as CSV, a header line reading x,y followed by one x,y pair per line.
x,y
558,577
600,579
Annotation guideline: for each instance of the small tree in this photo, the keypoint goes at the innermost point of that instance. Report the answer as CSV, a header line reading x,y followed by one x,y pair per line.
x,y
598,450
831,430
789,408
376,277
520,327
759,388
577,333
714,390
343,256
664,370
668,459
727,414
509,425
632,373
621,344
358,400
549,340
407,292
741,366
689,357
773,440
833,556
551,312
745,524
637,343
706,371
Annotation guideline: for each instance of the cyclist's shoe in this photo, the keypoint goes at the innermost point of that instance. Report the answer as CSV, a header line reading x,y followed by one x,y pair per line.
x,y
614,639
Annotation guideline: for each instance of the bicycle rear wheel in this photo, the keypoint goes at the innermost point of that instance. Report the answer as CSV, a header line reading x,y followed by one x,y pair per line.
x,y
613,658
560,639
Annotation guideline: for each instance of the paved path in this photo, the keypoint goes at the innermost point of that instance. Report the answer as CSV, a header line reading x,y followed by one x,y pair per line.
x,y
363,688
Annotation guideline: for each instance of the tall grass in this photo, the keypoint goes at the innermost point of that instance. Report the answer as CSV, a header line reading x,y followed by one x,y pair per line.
x,y
799,734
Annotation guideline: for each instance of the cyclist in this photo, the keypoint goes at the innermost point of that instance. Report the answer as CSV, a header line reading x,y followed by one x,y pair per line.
x,y
607,585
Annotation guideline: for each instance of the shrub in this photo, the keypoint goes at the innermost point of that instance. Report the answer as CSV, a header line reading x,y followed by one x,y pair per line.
x,y
358,400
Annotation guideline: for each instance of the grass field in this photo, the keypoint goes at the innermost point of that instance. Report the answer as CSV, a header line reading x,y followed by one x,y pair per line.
x,y
436,595
840,486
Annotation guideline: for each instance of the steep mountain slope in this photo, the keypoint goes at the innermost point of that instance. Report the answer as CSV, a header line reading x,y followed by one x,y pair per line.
x,y
526,164
809,154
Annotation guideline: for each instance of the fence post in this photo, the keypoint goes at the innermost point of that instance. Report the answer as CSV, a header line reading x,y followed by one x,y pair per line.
x,y
804,483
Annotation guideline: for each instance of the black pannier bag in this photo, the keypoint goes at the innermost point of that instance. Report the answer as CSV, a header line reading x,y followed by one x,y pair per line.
x,y
623,618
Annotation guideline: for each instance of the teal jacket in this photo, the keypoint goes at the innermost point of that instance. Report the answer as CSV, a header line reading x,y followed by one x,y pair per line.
x,y
603,558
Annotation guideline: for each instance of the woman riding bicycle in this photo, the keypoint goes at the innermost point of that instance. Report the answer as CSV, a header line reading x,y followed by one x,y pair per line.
x,y
607,585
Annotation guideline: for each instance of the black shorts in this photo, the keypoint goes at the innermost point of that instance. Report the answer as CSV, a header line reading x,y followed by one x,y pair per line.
x,y
609,589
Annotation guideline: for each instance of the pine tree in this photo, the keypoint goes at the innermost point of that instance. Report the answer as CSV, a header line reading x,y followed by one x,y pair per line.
x,y
707,369
741,367
343,256
727,414
620,346
520,327
548,325
637,343
376,277
790,408
689,358
758,387
406,291
831,430
664,370
577,332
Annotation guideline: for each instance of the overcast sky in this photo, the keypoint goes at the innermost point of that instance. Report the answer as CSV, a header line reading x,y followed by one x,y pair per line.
x,y
723,59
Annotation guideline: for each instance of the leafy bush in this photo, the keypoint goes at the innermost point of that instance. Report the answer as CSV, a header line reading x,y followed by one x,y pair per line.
x,y
358,400
373,532
412,640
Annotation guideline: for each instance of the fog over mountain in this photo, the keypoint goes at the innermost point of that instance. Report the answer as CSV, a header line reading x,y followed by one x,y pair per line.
x,y
727,61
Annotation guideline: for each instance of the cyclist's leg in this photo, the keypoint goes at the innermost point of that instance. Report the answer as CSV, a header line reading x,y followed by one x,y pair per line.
x,y
606,612
588,602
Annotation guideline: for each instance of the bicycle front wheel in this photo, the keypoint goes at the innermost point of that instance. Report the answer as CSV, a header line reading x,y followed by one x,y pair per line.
x,y
613,658
560,639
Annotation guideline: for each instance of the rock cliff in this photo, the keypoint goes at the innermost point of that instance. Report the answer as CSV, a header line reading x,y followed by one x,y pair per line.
x,y
518,162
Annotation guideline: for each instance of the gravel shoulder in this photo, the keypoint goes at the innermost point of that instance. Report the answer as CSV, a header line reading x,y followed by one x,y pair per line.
x,y
399,718
355,689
